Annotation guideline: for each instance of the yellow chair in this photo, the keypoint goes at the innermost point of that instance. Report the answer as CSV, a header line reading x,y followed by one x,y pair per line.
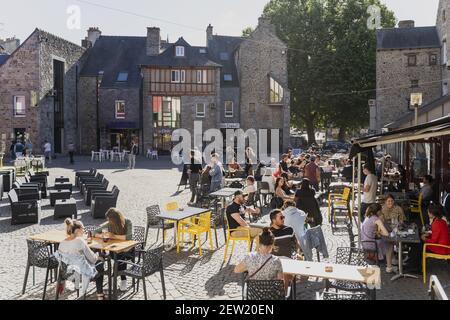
x,y
416,207
340,199
426,255
230,237
200,224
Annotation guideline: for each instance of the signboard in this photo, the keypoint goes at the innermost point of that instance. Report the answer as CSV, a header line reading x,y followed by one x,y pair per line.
x,y
416,99
230,126
34,98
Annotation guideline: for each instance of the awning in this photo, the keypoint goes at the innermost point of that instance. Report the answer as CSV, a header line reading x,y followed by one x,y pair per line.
x,y
123,125
436,128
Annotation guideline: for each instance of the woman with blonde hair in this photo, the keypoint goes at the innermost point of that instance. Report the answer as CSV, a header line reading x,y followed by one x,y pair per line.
x,y
118,228
75,245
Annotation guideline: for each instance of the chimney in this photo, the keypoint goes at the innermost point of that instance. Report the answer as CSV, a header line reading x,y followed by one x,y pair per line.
x,y
153,41
265,23
209,34
93,34
406,24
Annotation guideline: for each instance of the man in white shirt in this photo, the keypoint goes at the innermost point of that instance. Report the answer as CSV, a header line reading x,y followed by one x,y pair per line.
x,y
48,151
370,190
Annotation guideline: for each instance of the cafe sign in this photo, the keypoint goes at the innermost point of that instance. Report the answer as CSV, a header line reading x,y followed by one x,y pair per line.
x,y
230,126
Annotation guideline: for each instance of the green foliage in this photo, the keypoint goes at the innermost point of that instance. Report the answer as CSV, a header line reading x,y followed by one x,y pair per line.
x,y
332,55
247,31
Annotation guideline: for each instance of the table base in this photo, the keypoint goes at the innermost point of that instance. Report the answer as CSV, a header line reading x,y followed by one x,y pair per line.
x,y
403,275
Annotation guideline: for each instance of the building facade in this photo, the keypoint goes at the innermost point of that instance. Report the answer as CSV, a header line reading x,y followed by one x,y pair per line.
x,y
38,92
146,88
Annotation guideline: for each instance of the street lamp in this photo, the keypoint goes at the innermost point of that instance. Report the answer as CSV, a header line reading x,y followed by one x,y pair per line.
x,y
416,102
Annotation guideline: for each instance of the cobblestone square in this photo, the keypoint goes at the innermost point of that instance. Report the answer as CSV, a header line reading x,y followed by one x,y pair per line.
x,y
187,275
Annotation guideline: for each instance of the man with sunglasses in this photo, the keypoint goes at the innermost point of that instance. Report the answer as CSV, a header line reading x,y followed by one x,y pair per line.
x,y
286,243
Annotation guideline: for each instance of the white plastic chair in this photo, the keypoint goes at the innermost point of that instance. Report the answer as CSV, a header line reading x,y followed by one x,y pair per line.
x,y
155,154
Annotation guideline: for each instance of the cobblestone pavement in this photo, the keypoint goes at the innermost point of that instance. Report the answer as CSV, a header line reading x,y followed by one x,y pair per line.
x,y
187,275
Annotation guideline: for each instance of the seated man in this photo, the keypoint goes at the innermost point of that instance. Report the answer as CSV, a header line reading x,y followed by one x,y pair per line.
x,y
286,243
236,217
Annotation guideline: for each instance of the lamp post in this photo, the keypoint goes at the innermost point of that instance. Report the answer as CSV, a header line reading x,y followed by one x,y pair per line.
x,y
416,102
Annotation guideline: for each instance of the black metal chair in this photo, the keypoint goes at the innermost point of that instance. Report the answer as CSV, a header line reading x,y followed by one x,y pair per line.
x,y
264,192
153,221
353,244
325,181
353,257
151,262
39,256
341,296
265,290
102,202
24,208
252,201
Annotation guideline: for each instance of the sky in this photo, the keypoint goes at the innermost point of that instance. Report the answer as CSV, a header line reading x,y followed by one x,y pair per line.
x,y
176,18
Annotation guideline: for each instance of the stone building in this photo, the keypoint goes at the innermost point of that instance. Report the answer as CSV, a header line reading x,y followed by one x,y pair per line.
x,y
9,44
408,61
419,56
147,87
38,91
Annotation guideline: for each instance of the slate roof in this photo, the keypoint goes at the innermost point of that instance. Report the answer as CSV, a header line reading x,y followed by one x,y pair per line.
x,y
225,44
408,38
426,108
192,57
115,54
3,58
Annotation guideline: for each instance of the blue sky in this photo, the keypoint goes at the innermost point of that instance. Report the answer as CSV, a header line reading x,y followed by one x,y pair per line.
x,y
187,18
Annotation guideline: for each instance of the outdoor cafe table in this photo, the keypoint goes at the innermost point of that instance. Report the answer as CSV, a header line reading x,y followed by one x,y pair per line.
x,y
400,238
229,181
224,194
177,216
369,276
114,247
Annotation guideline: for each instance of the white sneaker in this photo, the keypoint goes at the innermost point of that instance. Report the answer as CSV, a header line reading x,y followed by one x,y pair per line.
x,y
123,285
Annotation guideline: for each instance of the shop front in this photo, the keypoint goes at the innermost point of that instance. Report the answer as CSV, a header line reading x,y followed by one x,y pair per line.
x,y
166,119
119,136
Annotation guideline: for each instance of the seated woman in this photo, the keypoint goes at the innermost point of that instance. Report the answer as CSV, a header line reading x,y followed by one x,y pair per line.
x,y
75,244
119,228
371,229
262,264
306,202
391,215
279,190
287,185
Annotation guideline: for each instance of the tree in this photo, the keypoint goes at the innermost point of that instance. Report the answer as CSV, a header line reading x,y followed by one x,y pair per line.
x,y
332,52
247,31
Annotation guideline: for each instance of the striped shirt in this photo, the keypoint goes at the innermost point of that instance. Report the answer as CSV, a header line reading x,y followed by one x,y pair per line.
x,y
285,241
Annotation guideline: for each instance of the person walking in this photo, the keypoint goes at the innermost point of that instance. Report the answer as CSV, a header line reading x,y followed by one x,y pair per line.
x,y
194,171
71,149
18,149
28,147
48,151
370,190
133,153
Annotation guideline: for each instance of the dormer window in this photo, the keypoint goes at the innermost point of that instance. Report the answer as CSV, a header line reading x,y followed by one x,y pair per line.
x,y
179,51
202,50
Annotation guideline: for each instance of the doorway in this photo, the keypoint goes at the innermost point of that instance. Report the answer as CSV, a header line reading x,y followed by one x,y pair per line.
x,y
58,101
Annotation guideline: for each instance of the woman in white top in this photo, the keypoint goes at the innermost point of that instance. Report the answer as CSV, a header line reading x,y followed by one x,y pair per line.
x,y
75,244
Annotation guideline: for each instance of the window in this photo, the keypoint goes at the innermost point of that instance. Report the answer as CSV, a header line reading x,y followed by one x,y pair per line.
x,y
19,106
412,60
414,83
200,110
120,109
175,76
276,92
252,107
229,109
122,77
433,59
202,76
444,17
183,76
227,77
202,50
179,51
224,56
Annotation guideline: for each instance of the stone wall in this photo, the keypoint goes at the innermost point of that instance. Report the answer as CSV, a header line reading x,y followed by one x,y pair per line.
x,y
263,54
19,76
87,101
394,78
55,48
442,25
